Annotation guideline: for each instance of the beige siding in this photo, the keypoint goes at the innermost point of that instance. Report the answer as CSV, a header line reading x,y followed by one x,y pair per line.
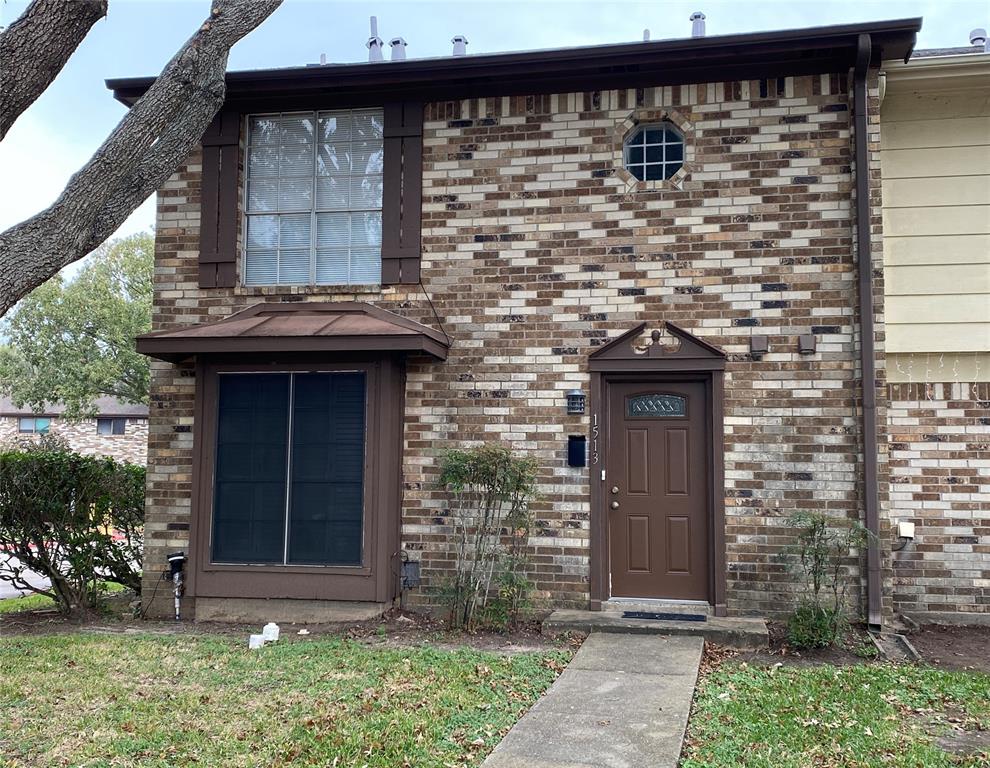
x,y
935,154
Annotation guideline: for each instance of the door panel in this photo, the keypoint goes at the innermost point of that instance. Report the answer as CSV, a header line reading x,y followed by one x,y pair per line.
x,y
677,461
639,548
638,462
657,497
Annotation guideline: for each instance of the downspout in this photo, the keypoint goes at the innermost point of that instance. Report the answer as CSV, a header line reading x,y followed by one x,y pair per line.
x,y
871,491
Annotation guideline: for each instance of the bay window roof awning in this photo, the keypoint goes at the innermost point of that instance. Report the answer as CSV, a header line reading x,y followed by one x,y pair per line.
x,y
297,328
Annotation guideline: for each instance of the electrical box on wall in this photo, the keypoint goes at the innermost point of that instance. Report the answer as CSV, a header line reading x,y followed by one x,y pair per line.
x,y
577,451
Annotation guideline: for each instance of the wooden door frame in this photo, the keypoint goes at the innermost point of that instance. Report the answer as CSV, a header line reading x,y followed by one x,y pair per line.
x,y
621,361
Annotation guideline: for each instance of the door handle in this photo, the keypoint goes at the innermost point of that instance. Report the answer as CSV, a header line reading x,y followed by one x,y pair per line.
x,y
615,505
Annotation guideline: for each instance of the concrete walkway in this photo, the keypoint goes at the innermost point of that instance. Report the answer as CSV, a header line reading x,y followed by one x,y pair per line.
x,y
623,702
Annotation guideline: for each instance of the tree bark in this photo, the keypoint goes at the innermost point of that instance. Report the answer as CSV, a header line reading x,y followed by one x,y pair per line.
x,y
141,153
36,46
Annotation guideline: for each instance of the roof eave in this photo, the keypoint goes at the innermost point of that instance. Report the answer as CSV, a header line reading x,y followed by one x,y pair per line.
x,y
802,51
178,350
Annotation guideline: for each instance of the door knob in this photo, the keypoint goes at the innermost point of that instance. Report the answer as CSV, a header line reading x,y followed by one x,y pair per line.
x,y
615,489
615,505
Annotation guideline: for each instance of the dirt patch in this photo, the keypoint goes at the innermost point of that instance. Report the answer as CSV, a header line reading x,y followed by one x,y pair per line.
x,y
952,647
396,629
855,648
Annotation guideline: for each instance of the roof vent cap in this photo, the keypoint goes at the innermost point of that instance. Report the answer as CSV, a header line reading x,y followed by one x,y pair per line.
x,y
697,24
460,45
398,48
375,43
978,37
646,35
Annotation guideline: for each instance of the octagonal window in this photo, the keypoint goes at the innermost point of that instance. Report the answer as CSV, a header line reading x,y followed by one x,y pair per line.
x,y
654,152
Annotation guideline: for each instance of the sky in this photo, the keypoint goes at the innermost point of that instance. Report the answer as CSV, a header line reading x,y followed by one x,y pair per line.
x,y
60,131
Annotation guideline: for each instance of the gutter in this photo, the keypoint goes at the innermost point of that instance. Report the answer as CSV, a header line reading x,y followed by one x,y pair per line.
x,y
867,348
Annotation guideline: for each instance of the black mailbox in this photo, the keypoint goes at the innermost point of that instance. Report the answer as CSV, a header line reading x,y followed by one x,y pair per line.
x,y
577,451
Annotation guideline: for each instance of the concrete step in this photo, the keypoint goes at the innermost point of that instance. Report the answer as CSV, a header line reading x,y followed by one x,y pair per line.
x,y
742,633
620,605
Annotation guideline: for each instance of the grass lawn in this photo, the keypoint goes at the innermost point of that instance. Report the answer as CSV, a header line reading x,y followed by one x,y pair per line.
x,y
38,602
142,700
819,717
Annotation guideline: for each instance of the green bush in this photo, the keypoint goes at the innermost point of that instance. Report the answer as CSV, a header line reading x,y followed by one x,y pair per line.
x,y
814,626
77,520
824,547
490,491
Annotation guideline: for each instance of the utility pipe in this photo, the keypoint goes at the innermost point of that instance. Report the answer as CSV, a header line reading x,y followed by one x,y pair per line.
x,y
867,348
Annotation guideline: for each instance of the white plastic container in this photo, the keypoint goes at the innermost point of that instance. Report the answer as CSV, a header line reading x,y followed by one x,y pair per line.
x,y
270,632
256,641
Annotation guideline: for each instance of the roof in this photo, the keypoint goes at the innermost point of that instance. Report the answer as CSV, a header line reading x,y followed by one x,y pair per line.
x,y
652,63
925,53
105,406
298,327
940,69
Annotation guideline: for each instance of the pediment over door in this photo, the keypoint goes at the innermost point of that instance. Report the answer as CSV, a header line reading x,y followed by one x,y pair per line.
x,y
668,348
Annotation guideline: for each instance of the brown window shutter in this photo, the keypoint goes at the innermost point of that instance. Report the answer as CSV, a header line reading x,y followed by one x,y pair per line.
x,y
402,193
218,203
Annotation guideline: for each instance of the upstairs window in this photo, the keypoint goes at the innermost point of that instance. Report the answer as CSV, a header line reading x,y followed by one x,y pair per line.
x,y
654,152
111,426
34,425
314,198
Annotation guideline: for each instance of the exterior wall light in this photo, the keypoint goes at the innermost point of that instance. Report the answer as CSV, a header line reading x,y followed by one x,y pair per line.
x,y
575,401
758,346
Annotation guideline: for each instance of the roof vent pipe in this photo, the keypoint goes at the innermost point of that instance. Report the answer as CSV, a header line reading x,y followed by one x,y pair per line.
x,y
460,45
398,48
697,24
375,43
646,35
979,37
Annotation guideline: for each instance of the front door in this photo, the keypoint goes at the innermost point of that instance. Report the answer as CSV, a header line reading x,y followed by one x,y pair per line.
x,y
656,490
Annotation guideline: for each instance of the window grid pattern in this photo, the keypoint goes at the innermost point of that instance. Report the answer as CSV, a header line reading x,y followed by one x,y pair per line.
x,y
654,152
314,198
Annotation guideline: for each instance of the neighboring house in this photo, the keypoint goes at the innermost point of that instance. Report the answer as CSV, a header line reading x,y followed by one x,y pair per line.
x,y
119,429
368,264
935,158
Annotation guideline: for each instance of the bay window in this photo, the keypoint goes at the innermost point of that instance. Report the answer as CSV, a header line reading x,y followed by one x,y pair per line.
x,y
289,474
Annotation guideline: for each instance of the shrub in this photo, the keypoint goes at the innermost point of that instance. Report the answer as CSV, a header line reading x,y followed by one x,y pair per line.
x,y
814,626
824,544
76,520
490,491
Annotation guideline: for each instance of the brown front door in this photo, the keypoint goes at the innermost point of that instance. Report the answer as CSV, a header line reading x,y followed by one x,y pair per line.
x,y
656,490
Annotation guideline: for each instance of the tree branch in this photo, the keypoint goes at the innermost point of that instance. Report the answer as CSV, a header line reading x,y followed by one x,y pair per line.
x,y
146,147
36,46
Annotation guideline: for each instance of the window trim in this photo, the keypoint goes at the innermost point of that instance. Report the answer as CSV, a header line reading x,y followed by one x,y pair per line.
x,y
371,582
245,214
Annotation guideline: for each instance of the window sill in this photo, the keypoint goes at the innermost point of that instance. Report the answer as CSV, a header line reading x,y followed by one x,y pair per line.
x,y
368,289
328,570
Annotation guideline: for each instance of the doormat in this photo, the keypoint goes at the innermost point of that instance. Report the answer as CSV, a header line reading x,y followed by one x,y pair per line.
x,y
664,616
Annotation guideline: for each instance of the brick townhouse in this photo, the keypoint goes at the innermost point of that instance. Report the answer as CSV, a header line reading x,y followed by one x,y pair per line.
x,y
651,249
119,430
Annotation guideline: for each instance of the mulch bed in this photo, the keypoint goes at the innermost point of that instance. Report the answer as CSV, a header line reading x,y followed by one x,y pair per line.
x,y
397,628
952,647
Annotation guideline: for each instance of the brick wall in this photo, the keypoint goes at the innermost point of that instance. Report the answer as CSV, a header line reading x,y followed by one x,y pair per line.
x,y
538,248
940,481
82,437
